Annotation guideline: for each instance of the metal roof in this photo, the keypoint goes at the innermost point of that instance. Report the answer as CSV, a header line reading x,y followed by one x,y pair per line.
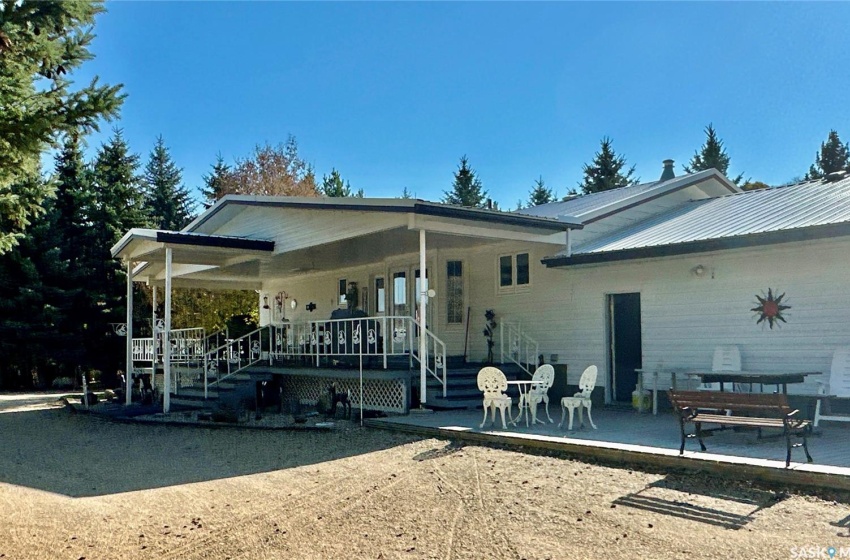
x,y
586,203
774,210
592,206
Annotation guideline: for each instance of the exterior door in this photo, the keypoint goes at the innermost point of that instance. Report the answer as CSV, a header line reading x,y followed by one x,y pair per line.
x,y
400,295
625,354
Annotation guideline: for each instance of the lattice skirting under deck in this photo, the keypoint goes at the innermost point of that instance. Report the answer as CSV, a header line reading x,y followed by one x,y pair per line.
x,y
388,395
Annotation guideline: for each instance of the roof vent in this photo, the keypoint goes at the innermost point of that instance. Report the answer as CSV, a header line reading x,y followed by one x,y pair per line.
x,y
835,176
668,172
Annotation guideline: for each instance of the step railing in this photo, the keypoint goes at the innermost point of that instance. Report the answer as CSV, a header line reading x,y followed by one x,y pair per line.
x,y
435,356
234,356
520,349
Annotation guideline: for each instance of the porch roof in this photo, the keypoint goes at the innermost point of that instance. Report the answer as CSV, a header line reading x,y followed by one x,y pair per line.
x,y
191,253
242,239
387,205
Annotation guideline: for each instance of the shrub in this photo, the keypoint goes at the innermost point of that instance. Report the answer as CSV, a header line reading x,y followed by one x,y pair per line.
x,y
63,383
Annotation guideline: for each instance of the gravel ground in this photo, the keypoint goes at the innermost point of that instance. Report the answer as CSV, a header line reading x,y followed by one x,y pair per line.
x,y
74,486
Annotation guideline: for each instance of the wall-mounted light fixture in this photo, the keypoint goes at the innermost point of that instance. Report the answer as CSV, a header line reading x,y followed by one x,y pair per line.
x,y
698,271
265,302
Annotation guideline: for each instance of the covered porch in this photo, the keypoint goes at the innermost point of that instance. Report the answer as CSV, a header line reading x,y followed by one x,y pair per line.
x,y
339,287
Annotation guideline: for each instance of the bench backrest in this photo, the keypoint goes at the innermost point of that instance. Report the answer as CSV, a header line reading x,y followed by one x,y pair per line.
x,y
758,403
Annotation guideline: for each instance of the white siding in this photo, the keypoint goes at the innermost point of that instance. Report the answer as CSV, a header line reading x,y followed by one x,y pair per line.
x,y
683,316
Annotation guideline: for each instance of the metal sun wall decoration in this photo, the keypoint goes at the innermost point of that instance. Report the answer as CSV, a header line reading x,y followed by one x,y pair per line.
x,y
770,308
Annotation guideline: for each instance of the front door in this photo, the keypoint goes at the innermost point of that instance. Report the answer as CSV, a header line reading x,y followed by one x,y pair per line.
x,y
625,354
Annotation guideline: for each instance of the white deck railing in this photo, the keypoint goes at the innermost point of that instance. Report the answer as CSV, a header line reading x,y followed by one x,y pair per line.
x,y
359,337
521,349
216,357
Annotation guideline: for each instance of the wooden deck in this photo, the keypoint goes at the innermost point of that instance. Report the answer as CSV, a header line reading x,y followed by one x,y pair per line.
x,y
628,436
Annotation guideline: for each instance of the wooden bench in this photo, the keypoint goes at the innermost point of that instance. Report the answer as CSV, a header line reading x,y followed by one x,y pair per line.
x,y
767,410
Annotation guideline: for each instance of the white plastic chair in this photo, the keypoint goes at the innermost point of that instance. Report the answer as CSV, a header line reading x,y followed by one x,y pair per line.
x,y
543,379
837,386
493,383
580,400
726,358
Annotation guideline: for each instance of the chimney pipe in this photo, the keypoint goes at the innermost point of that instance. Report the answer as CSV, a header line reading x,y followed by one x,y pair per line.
x,y
668,172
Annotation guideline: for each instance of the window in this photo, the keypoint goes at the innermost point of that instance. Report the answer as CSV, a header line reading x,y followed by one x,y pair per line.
x,y
454,292
522,269
506,271
380,295
342,290
399,288
514,272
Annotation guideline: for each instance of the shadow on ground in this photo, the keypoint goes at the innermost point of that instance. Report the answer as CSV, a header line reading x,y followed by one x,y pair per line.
x,y
82,455
695,500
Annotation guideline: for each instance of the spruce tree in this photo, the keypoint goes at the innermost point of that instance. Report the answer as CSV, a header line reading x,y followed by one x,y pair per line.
x,y
833,156
466,189
406,194
606,172
168,203
712,155
540,194
334,186
118,208
41,44
215,181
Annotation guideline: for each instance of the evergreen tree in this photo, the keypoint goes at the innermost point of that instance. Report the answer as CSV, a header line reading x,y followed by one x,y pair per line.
x,y
215,181
606,171
167,200
74,205
833,156
41,43
118,208
466,189
334,186
712,155
406,194
540,194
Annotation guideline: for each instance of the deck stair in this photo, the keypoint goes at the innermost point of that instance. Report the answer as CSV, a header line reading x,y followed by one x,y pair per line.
x,y
462,385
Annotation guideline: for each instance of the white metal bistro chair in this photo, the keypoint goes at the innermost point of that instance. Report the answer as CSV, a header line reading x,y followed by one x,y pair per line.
x,y
836,387
493,383
580,400
543,379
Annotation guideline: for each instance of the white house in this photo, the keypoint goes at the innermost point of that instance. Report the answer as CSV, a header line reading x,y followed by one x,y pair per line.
x,y
653,275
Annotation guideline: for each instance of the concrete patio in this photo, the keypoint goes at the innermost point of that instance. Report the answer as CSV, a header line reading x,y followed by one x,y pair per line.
x,y
628,436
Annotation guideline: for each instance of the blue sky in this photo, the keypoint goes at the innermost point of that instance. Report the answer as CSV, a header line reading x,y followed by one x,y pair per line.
x,y
392,94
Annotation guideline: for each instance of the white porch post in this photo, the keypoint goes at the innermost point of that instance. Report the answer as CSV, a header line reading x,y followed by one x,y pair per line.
x,y
166,336
423,315
128,377
153,335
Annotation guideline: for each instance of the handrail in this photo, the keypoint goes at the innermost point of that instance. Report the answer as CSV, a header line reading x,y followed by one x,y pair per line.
x,y
520,345
439,356
235,355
